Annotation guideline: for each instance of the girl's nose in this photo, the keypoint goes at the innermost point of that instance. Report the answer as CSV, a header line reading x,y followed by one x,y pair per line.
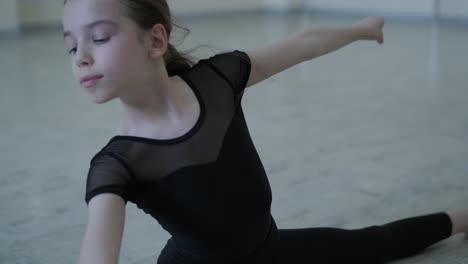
x,y
83,58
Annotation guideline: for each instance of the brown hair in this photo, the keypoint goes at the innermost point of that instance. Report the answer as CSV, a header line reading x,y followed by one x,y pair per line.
x,y
147,13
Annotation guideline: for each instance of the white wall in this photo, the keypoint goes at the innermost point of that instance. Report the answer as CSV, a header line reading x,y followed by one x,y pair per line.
x,y
39,12
454,8
202,6
33,12
43,12
403,7
8,17
448,8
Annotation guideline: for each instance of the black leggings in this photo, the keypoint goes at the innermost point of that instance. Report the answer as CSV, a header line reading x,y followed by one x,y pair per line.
x,y
375,244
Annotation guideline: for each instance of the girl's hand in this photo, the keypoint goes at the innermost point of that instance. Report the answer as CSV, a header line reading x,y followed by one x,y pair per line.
x,y
371,28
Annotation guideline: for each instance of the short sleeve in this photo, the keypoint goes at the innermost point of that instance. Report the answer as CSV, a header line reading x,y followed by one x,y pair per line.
x,y
108,174
234,67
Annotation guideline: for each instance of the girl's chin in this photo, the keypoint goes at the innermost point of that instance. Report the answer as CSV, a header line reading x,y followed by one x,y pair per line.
x,y
101,99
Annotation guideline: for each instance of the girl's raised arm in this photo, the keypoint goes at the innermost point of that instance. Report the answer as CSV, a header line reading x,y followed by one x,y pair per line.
x,y
309,44
103,236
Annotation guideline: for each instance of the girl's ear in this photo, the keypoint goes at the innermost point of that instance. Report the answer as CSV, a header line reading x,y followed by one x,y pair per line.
x,y
158,41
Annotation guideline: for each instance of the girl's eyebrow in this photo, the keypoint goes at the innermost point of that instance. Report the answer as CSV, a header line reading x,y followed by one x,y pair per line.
x,y
93,24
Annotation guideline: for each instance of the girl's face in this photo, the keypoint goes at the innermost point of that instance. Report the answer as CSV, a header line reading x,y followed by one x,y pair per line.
x,y
102,42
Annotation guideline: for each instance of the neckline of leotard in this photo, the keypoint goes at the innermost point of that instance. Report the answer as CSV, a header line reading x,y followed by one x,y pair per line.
x,y
178,139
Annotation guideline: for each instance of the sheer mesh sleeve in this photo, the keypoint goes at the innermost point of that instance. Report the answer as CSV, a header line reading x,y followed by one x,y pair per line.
x,y
108,174
234,67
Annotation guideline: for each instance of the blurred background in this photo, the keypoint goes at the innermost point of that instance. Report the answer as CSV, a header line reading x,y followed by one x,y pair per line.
x,y
363,136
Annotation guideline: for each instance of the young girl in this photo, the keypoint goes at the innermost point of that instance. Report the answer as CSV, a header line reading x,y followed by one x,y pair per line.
x,y
183,154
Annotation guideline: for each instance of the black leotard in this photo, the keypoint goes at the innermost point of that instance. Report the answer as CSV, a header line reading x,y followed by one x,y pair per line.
x,y
207,188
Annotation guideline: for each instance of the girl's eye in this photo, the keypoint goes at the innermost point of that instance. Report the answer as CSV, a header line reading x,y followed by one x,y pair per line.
x,y
101,40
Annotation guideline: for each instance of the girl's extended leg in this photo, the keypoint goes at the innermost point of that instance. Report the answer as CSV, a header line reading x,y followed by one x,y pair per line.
x,y
374,244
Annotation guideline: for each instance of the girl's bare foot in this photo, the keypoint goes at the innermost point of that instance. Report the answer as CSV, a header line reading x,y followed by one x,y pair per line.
x,y
459,221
